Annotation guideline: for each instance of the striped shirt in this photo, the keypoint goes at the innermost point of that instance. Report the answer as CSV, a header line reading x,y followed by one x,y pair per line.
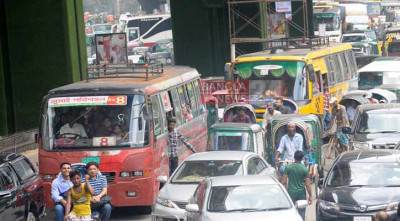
x,y
98,184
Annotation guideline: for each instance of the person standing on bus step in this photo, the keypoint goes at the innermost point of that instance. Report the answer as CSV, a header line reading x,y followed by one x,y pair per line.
x,y
297,181
280,107
100,202
269,113
174,139
59,189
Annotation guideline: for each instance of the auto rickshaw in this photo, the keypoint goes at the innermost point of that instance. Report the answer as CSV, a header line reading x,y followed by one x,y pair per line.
x,y
232,113
383,95
237,136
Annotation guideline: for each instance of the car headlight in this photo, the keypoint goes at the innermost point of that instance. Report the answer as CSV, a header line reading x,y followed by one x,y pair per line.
x,y
326,205
392,206
361,145
165,202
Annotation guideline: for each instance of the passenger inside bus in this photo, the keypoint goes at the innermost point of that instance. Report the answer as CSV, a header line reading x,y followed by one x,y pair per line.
x,y
105,129
71,129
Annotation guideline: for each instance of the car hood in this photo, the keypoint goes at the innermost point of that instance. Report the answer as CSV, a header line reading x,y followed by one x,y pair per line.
x,y
290,214
359,196
378,138
178,192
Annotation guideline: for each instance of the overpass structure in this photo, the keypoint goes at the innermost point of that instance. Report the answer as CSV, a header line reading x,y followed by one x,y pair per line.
x,y
42,46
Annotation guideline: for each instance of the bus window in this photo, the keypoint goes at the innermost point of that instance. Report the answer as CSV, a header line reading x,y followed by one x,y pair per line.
x,y
96,121
176,105
196,87
337,69
193,100
330,72
185,104
353,63
347,65
157,115
343,66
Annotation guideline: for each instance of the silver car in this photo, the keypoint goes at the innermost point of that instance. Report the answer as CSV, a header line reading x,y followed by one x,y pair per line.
x,y
234,198
176,192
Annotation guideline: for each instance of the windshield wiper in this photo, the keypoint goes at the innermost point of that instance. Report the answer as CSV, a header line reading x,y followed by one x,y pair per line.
x,y
278,208
394,185
387,132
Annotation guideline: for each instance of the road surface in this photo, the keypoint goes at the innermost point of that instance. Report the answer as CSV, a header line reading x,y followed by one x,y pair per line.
x,y
136,214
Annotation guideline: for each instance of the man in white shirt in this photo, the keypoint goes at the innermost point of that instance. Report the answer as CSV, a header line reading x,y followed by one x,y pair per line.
x,y
351,110
289,144
72,129
269,112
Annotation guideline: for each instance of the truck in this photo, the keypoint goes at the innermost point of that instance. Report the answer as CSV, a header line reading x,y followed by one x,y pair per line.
x,y
330,18
356,17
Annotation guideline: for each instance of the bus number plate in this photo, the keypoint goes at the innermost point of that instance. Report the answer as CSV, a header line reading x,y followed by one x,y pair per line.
x,y
104,141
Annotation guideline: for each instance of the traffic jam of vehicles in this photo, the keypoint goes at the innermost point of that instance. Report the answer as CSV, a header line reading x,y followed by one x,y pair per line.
x,y
280,134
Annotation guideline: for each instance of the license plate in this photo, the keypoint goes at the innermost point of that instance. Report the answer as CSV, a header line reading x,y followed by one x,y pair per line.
x,y
362,218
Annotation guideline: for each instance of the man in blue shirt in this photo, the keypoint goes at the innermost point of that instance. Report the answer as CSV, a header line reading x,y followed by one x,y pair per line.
x,y
59,189
99,185
289,144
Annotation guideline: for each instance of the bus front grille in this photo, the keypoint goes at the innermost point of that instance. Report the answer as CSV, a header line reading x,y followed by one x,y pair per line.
x,y
110,176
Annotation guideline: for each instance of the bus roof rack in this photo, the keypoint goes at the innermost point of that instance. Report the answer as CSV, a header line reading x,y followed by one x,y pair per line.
x,y
146,70
292,43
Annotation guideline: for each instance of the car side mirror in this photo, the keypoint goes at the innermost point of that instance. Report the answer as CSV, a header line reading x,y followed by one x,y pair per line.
x,y
5,194
320,182
301,204
162,179
193,208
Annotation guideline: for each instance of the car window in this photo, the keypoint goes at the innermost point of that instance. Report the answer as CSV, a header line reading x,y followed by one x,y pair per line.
x,y
23,169
7,179
255,166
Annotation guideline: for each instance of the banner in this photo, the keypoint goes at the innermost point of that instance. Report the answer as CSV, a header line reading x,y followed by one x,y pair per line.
x,y
111,49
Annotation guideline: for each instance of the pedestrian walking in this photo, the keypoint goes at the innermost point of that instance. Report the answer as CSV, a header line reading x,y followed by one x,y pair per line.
x,y
174,141
297,181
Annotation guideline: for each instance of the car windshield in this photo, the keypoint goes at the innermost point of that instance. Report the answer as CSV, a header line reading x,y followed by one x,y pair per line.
x,y
95,121
231,140
195,171
248,198
285,78
329,19
353,38
369,80
364,174
379,122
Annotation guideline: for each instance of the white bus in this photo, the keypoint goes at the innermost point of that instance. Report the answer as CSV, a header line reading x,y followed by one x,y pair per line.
x,y
149,28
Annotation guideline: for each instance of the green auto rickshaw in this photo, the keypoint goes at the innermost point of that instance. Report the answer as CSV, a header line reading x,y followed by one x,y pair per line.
x,y
236,136
308,126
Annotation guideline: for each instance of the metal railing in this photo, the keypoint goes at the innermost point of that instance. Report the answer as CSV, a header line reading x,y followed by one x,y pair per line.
x,y
131,70
18,142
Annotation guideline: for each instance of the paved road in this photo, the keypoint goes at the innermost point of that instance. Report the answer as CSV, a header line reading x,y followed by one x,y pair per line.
x,y
136,214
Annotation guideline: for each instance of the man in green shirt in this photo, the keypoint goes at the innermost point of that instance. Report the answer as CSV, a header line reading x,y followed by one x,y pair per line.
x,y
296,180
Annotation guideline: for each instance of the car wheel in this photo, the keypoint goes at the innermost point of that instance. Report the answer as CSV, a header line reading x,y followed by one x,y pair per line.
x,y
31,216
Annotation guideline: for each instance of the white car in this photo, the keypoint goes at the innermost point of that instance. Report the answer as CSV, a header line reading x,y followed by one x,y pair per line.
x,y
176,192
250,198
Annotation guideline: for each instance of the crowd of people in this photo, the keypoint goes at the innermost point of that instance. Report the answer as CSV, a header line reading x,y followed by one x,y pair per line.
x,y
77,197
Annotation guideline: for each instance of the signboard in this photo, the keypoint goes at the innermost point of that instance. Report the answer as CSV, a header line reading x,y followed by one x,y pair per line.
x,y
277,25
111,49
226,91
283,7
88,101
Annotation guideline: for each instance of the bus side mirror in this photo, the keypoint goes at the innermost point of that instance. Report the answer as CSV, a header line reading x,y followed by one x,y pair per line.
x,y
311,72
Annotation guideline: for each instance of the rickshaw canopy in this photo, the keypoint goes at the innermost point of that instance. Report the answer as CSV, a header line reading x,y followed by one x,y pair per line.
x,y
359,96
232,110
382,94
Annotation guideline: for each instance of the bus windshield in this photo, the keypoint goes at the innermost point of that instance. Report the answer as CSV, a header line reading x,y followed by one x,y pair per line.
x,y
95,122
329,19
288,81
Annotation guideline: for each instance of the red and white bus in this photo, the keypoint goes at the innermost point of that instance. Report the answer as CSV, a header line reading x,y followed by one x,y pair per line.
x,y
120,121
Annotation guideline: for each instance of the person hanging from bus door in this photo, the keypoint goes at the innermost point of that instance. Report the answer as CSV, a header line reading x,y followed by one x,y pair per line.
x,y
174,140
288,145
339,117
297,181
78,198
100,201
59,189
